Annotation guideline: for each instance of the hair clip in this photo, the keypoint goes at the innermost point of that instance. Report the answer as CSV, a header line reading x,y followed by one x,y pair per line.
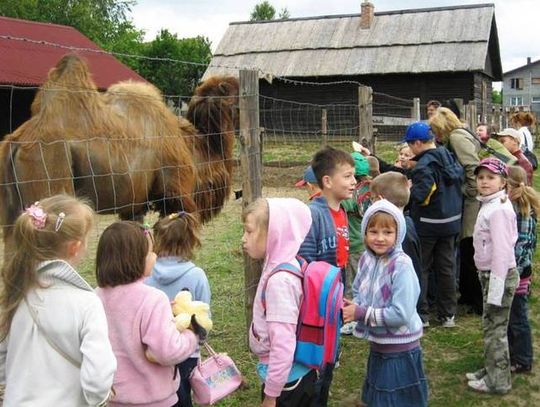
x,y
59,220
146,229
39,217
179,214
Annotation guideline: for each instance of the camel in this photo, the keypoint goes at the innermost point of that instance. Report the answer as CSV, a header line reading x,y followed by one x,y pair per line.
x,y
124,149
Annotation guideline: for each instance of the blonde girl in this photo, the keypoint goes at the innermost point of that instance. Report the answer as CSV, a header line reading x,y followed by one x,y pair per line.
x,y
526,204
177,238
55,349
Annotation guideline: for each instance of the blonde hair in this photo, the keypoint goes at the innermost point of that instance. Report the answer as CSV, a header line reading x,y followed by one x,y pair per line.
x,y
34,244
444,121
259,209
177,235
392,186
524,196
401,146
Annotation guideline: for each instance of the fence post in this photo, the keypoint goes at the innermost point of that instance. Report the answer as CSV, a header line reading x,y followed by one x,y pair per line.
x,y
471,115
251,164
365,117
416,110
462,111
324,127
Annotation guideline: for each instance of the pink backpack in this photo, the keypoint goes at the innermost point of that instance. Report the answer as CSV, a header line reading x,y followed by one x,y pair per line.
x,y
319,322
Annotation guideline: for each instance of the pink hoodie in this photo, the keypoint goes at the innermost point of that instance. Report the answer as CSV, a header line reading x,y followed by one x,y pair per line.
x,y
139,318
272,336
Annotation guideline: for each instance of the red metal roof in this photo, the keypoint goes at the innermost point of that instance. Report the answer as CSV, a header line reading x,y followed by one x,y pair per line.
x,y
28,62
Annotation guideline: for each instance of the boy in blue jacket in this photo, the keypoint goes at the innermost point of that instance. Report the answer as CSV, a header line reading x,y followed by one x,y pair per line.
x,y
435,207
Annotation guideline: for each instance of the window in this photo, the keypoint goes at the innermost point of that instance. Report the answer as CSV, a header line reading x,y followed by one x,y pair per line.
x,y
535,99
516,83
535,81
516,101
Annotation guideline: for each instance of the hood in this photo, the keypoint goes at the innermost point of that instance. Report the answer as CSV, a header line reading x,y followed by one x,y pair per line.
x,y
289,222
385,206
169,269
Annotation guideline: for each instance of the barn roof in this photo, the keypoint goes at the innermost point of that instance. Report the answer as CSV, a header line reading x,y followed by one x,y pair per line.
x,y
26,53
438,39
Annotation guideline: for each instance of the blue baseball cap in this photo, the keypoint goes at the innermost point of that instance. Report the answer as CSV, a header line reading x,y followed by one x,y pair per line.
x,y
418,131
309,176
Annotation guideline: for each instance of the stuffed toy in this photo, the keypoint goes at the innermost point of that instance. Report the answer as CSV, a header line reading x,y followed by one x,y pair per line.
x,y
184,307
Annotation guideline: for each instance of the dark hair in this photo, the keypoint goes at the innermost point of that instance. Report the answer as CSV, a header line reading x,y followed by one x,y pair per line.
x,y
121,253
177,235
453,106
433,102
326,160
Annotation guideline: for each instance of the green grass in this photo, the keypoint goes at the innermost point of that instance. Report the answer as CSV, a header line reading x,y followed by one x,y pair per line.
x,y
448,353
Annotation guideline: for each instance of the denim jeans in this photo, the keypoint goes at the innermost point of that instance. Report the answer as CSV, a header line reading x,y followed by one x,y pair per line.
x,y
519,332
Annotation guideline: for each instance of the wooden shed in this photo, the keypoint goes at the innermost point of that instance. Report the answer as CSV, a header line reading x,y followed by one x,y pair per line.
x,y
431,53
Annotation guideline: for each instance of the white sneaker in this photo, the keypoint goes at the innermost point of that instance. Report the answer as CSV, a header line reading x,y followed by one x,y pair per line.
x,y
348,328
479,374
479,385
448,322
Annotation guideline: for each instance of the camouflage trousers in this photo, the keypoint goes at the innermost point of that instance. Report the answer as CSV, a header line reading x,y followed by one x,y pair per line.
x,y
351,269
495,329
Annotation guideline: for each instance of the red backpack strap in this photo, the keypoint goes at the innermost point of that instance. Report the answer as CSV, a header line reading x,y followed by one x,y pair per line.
x,y
285,267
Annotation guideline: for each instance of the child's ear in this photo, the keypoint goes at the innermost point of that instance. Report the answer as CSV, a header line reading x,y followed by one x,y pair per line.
x,y
326,181
73,248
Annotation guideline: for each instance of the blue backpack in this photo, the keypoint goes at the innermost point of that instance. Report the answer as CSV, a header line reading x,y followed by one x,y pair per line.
x,y
319,321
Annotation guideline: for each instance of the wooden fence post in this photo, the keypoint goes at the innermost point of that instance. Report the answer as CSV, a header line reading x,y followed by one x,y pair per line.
x,y
462,111
472,119
365,117
251,164
416,110
324,127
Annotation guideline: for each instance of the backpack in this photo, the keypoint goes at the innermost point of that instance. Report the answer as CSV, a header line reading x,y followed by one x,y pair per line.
x,y
492,148
319,321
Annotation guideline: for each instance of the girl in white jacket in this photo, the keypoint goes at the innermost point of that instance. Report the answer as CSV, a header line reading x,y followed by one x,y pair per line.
x,y
54,348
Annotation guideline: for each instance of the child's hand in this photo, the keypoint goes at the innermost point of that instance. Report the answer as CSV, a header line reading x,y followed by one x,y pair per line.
x,y
348,310
268,401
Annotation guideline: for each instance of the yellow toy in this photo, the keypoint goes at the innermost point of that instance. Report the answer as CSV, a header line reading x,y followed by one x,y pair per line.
x,y
184,307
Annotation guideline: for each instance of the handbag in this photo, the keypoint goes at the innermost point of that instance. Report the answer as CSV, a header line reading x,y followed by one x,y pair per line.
x,y
530,155
215,378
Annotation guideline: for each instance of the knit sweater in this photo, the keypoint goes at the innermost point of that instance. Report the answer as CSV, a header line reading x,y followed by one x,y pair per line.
x,y
525,248
387,289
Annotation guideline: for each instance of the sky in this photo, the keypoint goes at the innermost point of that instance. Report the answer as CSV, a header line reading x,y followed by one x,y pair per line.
x,y
518,21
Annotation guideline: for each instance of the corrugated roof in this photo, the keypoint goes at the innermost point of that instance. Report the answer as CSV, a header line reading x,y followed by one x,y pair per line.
x,y
421,40
28,62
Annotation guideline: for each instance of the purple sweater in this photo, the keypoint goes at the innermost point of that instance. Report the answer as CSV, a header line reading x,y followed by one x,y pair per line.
x,y
140,318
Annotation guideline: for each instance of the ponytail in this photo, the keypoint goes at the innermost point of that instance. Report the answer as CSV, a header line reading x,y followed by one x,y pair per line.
x,y
524,196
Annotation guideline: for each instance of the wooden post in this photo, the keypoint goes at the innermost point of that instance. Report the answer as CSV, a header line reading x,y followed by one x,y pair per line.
x,y
365,117
416,110
472,120
324,127
250,160
462,111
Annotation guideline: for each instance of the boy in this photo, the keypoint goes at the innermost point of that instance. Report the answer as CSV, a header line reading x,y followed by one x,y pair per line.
x,y
436,205
394,187
328,238
510,138
310,182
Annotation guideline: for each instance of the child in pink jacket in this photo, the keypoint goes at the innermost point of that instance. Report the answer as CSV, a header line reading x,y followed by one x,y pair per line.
x,y
274,229
140,320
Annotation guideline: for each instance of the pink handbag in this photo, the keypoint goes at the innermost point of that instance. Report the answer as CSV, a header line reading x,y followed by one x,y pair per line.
x,y
215,378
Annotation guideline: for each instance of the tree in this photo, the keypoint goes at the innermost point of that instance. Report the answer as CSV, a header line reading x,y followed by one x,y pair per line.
x,y
496,96
284,14
263,11
171,77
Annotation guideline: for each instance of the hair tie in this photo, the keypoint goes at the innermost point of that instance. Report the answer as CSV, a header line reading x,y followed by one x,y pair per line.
x,y
59,221
179,214
39,217
146,228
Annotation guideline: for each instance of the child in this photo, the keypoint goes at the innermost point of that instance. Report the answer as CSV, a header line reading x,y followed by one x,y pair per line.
x,y
328,237
510,138
63,357
273,231
526,205
435,207
310,182
384,308
404,155
494,238
141,325
176,238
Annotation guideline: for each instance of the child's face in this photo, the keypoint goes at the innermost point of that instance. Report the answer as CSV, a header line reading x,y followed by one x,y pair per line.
x,y
253,239
341,183
404,155
150,260
488,183
481,131
380,238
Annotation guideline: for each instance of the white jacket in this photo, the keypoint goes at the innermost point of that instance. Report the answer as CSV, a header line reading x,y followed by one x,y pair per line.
x,y
71,314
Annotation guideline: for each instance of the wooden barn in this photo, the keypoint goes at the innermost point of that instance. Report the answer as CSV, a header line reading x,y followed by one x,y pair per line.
x,y
431,53
28,50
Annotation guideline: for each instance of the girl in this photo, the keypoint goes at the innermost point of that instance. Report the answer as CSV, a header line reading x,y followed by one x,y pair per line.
x,y
141,325
494,238
274,229
522,121
386,292
55,350
404,156
526,205
177,236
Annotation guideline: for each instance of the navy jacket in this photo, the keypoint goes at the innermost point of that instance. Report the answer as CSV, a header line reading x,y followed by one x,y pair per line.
x,y
436,200
411,246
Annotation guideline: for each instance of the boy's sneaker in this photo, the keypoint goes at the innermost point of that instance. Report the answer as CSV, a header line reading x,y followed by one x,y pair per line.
x,y
481,386
517,368
479,374
348,328
447,322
